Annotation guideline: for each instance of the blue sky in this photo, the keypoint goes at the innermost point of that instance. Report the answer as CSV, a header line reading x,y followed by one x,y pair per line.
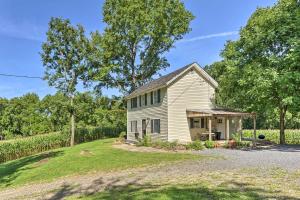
x,y
23,25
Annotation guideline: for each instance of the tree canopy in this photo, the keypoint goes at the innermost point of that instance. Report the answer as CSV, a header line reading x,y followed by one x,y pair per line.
x,y
64,57
261,71
29,115
135,40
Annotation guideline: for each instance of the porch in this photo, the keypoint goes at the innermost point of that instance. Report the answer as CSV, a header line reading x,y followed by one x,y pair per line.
x,y
216,124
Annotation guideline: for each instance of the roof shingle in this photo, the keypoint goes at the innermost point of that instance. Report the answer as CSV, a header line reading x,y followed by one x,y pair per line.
x,y
160,82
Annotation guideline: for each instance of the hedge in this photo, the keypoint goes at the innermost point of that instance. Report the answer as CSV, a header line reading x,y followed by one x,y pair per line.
x,y
87,134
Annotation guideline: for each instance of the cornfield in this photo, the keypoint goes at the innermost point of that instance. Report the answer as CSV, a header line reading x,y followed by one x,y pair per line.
x,y
292,136
18,148
13,149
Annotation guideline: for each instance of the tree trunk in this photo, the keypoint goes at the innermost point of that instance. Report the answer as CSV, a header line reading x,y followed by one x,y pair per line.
x,y
282,124
72,121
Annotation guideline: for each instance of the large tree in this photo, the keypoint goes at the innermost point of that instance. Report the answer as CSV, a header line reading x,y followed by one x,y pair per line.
x,y
262,70
63,56
135,40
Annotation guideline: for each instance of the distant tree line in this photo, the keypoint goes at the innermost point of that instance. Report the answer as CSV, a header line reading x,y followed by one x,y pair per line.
x,y
29,115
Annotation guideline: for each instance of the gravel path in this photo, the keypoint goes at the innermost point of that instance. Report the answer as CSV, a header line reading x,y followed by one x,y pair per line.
x,y
287,158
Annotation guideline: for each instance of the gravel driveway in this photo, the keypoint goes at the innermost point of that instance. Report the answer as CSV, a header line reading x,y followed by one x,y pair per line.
x,y
287,158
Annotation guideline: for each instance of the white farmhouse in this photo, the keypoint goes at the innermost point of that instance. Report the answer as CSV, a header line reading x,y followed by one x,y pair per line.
x,y
180,107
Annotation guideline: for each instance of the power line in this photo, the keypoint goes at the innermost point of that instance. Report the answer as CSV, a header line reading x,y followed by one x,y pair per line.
x,y
21,76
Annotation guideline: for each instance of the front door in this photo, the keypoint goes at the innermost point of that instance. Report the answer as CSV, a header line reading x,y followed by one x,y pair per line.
x,y
221,126
143,127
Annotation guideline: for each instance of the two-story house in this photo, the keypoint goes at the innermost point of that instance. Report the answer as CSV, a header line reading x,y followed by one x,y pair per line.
x,y
180,106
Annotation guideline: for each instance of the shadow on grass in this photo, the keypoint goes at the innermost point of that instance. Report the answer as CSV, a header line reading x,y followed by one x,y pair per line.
x,y
9,171
133,190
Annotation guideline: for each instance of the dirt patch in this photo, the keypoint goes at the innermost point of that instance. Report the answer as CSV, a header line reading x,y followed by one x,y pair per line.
x,y
86,153
130,147
133,148
41,162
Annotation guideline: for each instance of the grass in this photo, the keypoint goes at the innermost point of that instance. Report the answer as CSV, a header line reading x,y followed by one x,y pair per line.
x,y
225,185
94,156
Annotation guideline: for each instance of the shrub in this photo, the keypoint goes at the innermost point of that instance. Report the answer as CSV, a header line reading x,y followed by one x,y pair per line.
x,y
243,144
146,141
196,145
122,136
236,137
209,144
14,149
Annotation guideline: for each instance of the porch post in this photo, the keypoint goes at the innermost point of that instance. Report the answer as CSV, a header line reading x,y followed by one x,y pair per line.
x,y
226,128
240,129
254,129
209,129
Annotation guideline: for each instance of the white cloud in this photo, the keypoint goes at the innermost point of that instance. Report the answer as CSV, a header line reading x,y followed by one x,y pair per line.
x,y
215,35
23,30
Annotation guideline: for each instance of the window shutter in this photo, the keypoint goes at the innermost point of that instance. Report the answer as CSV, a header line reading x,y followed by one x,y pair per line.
x,y
152,126
151,98
140,100
158,96
146,99
158,126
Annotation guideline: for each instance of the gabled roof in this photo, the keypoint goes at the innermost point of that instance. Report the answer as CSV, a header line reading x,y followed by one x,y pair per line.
x,y
170,78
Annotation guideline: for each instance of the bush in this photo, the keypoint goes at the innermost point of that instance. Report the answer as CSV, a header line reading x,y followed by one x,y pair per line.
x,y
243,144
122,137
146,141
209,144
236,137
196,145
14,149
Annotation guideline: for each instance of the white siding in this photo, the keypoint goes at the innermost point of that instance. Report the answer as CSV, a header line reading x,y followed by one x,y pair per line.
x,y
155,111
190,91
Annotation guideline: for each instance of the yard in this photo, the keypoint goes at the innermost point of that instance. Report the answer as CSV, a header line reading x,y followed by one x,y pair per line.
x,y
96,170
88,157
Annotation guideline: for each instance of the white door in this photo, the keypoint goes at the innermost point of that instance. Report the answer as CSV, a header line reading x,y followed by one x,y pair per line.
x,y
221,126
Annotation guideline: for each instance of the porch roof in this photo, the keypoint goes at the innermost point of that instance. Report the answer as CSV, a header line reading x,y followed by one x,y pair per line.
x,y
216,112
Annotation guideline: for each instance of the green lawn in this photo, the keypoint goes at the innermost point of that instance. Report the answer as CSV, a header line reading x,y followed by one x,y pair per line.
x,y
88,157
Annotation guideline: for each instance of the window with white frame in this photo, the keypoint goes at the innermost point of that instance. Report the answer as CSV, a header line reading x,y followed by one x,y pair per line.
x,y
134,102
197,123
155,126
134,126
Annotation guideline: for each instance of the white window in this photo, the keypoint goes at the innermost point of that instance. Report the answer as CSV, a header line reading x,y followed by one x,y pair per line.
x,y
134,102
197,122
134,126
155,126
